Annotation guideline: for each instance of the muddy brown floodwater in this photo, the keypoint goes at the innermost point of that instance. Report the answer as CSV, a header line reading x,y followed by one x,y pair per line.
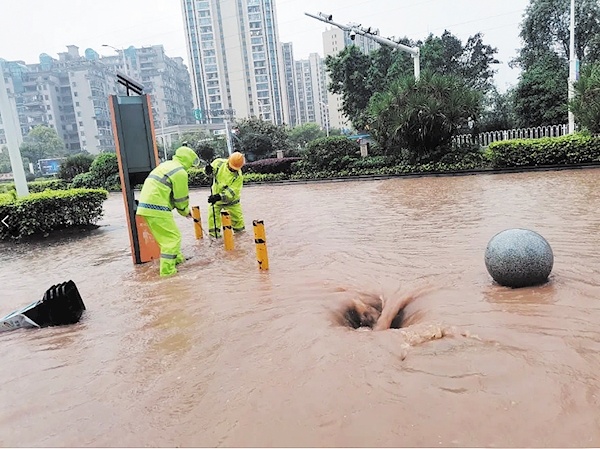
x,y
226,355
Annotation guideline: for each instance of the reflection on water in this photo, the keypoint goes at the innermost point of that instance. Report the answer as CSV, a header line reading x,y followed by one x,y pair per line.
x,y
226,355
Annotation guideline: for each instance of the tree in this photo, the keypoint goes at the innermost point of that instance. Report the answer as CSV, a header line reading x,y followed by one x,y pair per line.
x,y
303,134
74,165
498,113
348,72
473,61
546,29
420,118
541,95
42,142
586,104
357,77
206,145
260,138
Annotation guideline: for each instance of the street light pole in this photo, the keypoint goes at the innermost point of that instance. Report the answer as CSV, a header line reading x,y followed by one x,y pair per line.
x,y
572,67
373,35
122,50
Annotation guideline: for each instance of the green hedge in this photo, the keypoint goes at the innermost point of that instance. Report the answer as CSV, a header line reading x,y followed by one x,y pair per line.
x,y
44,212
564,150
38,186
197,178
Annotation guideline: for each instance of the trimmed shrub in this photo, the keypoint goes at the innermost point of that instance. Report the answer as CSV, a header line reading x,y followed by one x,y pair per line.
x,y
329,153
51,210
8,197
564,150
38,186
197,178
272,165
51,184
251,178
104,173
85,181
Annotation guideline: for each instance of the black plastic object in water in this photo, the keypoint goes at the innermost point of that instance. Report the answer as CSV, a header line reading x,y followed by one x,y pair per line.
x,y
61,305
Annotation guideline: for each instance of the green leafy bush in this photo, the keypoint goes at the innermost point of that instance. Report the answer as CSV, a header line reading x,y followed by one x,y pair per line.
x,y
74,165
85,181
104,173
7,197
419,117
328,153
51,210
564,150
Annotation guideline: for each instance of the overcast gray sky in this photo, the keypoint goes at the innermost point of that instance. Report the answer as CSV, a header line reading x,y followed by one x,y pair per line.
x,y
31,27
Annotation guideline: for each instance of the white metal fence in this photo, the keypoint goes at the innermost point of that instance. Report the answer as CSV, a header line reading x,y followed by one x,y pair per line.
x,y
486,138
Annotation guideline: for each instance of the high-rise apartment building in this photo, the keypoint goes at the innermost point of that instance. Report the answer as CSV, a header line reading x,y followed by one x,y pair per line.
x,y
70,94
312,91
236,59
165,79
334,41
291,89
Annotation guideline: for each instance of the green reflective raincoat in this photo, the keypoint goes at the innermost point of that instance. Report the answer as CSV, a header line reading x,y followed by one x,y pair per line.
x,y
228,184
165,189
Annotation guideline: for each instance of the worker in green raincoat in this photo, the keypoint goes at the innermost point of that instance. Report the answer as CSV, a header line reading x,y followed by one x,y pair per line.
x,y
165,189
226,191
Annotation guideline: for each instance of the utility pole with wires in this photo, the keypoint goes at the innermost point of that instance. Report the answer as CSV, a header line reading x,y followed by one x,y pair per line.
x,y
573,66
372,33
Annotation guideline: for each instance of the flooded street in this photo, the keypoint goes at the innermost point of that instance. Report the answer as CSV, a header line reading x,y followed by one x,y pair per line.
x,y
225,355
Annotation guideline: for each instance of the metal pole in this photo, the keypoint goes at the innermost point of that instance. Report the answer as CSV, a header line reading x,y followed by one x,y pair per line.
x,y
382,40
417,64
572,67
12,130
228,137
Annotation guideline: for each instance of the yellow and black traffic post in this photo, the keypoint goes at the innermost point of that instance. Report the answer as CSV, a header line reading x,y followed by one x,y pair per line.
x,y
260,240
227,230
197,222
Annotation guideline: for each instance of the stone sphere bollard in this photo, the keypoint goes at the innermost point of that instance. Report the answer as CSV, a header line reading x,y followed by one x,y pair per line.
x,y
519,258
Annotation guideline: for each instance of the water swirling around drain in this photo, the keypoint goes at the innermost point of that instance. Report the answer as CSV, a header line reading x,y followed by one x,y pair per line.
x,y
375,312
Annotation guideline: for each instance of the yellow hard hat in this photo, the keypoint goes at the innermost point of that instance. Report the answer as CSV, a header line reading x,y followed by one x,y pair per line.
x,y
236,160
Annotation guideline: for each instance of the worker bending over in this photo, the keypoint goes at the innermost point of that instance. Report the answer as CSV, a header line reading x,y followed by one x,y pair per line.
x,y
225,192
165,189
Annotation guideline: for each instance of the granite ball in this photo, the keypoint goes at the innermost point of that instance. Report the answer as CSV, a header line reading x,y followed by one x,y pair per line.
x,y
519,258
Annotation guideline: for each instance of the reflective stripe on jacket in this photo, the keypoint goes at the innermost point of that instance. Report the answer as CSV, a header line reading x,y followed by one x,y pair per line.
x,y
165,189
226,183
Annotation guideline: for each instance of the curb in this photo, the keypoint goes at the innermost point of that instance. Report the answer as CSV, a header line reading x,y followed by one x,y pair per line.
x,y
470,172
